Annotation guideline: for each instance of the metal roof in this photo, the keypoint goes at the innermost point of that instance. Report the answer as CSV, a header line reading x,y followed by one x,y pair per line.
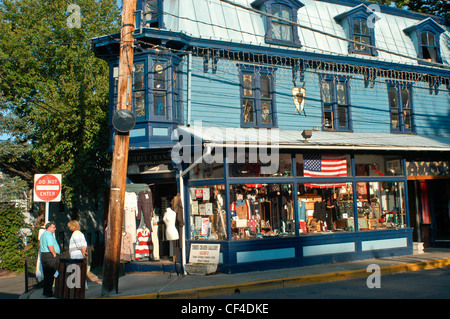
x,y
292,139
217,20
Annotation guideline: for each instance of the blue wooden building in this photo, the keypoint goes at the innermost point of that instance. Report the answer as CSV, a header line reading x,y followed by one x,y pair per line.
x,y
297,132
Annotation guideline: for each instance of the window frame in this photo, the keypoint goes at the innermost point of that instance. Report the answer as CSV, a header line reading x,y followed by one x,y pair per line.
x,y
268,6
360,12
257,96
399,87
334,103
436,46
172,90
154,22
416,31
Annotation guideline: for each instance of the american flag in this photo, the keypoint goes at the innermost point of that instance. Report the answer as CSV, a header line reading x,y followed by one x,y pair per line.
x,y
316,165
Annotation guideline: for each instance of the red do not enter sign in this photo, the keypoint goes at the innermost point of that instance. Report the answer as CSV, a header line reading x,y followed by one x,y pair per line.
x,y
47,187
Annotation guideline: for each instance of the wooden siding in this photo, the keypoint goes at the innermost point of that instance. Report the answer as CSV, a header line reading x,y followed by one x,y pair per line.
x,y
216,101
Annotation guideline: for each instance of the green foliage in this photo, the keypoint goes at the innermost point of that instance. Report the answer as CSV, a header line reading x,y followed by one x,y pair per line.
x,y
439,8
56,89
11,221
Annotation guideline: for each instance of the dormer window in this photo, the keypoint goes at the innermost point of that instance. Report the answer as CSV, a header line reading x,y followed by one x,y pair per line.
x,y
279,31
428,46
425,36
361,35
150,14
359,23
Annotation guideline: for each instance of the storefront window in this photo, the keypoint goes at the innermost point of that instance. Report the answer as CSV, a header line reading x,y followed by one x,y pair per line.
x,y
381,205
249,169
378,165
325,207
208,213
323,165
261,210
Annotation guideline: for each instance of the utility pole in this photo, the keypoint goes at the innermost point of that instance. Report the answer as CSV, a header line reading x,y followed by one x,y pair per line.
x,y
120,154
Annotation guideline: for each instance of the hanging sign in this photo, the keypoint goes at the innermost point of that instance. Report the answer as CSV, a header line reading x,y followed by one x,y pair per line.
x,y
298,94
47,187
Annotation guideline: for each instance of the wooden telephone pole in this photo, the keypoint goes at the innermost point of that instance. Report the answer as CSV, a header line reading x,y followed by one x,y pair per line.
x,y
120,154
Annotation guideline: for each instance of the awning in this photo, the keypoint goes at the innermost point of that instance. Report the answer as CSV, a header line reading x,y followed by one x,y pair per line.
x,y
292,139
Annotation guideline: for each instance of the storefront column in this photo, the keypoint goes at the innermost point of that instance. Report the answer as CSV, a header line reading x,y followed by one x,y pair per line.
x,y
295,190
406,193
226,175
355,195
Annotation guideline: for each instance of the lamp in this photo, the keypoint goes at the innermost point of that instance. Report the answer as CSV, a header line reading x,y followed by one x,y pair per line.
x,y
306,134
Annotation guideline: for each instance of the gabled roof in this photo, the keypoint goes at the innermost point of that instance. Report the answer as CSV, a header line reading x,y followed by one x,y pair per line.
x,y
428,24
360,10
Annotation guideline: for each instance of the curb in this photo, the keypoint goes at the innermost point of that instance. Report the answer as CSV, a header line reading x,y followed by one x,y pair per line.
x,y
229,289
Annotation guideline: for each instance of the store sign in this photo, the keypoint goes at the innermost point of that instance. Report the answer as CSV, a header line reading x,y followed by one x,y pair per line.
x,y
204,254
47,188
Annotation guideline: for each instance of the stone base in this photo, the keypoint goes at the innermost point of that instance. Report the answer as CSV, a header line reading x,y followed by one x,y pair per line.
x,y
200,269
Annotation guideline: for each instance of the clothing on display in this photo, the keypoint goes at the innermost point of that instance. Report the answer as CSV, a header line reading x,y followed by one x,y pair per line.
x,y
126,249
145,207
131,212
144,248
155,239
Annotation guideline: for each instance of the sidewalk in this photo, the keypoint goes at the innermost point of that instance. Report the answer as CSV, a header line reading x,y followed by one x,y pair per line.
x,y
170,286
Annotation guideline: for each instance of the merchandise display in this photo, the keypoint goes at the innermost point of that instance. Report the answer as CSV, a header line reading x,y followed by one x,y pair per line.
x,y
208,214
144,228
262,210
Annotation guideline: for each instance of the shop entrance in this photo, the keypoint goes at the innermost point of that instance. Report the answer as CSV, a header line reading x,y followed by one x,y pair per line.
x,y
152,247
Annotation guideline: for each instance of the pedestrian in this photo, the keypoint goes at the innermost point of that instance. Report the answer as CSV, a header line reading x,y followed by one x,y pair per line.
x,y
77,242
50,251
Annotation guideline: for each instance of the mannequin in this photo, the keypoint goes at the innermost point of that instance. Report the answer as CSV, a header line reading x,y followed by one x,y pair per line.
x,y
169,219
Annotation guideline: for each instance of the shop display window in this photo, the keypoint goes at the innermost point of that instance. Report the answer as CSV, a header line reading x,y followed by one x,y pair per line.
x,y
381,205
378,165
325,208
261,210
208,214
323,165
252,168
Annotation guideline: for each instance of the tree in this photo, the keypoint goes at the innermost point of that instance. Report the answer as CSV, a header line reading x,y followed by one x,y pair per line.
x,y
439,8
57,90
11,221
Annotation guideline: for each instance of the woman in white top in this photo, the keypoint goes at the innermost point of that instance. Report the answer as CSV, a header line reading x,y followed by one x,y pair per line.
x,y
77,243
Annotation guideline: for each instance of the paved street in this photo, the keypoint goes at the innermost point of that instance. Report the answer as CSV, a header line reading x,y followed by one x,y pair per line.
x,y
11,287
425,284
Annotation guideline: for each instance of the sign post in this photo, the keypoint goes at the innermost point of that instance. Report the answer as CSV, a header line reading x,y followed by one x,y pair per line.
x,y
47,188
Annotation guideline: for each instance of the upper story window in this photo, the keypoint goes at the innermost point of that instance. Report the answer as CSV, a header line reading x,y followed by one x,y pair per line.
x,y
361,35
150,14
426,38
400,106
360,26
335,103
279,31
156,90
257,97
